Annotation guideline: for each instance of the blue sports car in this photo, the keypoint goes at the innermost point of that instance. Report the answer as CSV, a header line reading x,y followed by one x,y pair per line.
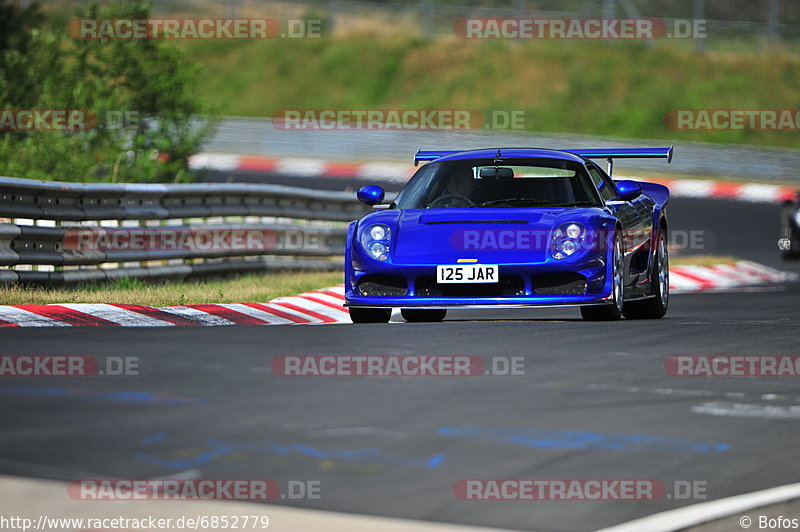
x,y
512,227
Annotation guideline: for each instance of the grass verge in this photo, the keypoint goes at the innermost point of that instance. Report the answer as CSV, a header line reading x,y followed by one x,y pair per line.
x,y
701,260
620,89
247,288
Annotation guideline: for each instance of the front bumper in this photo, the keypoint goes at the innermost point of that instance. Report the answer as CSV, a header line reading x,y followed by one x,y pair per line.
x,y
598,289
475,303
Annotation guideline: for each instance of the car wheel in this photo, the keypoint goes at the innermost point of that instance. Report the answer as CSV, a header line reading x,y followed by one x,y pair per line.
x,y
370,315
654,307
614,311
416,315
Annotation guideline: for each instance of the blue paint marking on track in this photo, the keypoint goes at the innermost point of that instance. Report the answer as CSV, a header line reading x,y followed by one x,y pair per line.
x,y
576,439
153,438
188,463
216,449
116,397
436,460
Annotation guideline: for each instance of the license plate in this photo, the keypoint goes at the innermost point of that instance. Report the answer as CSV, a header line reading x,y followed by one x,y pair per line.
x,y
468,273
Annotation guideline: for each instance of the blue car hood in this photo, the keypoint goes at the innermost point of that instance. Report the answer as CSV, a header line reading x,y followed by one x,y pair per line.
x,y
441,236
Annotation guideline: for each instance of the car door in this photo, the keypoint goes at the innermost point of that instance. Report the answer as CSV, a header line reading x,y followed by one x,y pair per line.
x,y
627,212
644,208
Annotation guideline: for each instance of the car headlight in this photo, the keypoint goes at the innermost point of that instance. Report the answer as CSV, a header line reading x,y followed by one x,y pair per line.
x,y
567,239
377,232
574,231
797,217
375,241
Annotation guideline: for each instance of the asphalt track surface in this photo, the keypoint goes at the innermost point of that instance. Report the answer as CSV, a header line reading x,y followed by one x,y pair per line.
x,y
207,405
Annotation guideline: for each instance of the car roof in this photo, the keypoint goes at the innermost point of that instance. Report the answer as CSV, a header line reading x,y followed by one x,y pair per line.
x,y
510,153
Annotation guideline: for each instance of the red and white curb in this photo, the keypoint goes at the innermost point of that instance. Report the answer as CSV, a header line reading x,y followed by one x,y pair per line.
x,y
725,276
325,306
311,308
301,167
699,188
399,173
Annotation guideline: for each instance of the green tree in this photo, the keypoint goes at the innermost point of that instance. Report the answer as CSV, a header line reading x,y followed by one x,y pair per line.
x,y
148,82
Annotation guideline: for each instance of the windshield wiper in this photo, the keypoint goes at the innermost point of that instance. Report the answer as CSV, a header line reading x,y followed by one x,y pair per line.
x,y
530,201
575,204
510,201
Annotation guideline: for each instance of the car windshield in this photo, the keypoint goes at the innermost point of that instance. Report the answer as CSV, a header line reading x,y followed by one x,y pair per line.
x,y
491,183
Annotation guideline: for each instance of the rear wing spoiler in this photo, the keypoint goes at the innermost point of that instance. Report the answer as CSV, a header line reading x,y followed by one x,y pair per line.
x,y
623,153
587,153
431,155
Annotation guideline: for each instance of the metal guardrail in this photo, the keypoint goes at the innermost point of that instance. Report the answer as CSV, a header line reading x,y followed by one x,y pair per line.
x,y
55,233
61,201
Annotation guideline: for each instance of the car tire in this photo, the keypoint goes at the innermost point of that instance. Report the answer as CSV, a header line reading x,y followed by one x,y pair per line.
x,y
370,315
654,307
614,311
419,315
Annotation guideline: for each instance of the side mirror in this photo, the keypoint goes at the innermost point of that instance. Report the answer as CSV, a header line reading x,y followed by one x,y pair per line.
x,y
371,194
628,190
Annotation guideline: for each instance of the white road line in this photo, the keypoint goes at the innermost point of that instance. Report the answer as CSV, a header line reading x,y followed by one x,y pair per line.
x,y
695,514
729,409
679,392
